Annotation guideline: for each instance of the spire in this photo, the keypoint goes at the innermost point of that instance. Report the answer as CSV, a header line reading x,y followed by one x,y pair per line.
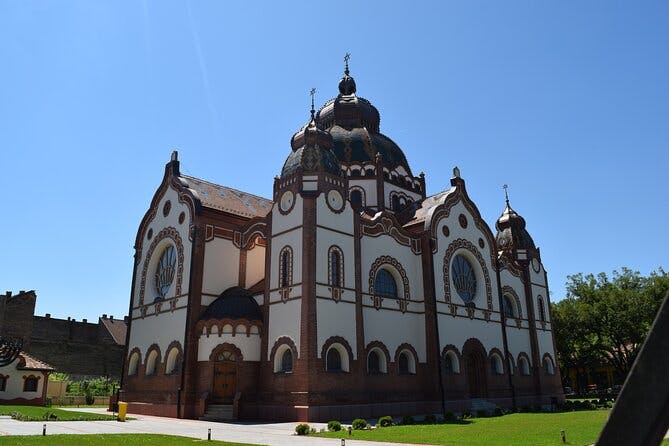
x,y
506,193
312,93
347,84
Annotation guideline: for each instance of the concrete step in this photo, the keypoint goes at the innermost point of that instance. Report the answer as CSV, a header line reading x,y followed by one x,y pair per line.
x,y
218,412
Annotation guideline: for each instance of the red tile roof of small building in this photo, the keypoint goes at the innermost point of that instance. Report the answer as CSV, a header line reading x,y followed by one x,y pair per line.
x,y
27,362
117,328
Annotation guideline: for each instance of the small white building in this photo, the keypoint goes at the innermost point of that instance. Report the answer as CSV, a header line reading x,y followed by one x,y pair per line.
x,y
24,381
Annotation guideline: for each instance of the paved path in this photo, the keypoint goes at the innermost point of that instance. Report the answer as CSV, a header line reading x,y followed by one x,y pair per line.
x,y
255,433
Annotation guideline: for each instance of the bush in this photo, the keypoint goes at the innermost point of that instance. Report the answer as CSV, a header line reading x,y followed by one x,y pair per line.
x,y
430,419
90,399
359,424
334,426
302,429
466,414
385,421
481,413
498,412
449,417
407,420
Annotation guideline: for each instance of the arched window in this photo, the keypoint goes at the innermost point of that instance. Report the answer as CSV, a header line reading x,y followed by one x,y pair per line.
x,y
151,361
172,365
542,310
333,360
524,366
287,361
496,364
356,199
30,384
336,267
510,361
548,366
451,363
464,278
395,203
384,284
285,267
3,382
508,307
133,364
373,363
165,271
406,364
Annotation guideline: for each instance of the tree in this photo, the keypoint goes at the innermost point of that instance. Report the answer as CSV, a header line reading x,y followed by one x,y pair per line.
x,y
606,319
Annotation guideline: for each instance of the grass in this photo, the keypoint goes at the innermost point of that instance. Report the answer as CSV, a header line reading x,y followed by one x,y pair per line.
x,y
38,413
109,440
518,429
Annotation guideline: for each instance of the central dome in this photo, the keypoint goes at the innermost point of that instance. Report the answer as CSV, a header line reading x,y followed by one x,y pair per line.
x,y
353,123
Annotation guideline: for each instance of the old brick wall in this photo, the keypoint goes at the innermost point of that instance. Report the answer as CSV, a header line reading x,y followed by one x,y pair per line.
x,y
16,315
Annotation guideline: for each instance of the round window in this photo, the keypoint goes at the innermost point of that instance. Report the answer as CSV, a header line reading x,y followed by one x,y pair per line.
x,y
464,278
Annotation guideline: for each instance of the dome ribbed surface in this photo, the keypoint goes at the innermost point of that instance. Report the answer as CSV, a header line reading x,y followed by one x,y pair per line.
x,y
234,303
511,232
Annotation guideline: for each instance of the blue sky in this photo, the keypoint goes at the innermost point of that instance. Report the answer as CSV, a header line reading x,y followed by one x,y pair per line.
x,y
567,102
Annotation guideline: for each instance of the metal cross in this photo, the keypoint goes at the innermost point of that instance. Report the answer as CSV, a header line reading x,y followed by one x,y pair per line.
x,y
347,57
506,192
312,92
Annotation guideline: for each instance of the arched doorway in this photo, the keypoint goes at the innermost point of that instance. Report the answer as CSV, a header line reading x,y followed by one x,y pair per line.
x,y
475,367
225,376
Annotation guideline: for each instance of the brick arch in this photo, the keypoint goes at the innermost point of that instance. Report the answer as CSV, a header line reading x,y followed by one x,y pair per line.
x,y
405,347
547,356
226,346
336,340
453,247
165,233
283,340
340,253
511,363
379,346
289,273
403,298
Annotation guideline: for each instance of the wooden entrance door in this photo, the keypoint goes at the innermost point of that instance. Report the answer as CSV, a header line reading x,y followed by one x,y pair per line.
x,y
476,376
225,377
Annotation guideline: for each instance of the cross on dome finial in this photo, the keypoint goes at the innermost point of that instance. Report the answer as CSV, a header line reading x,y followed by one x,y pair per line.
x,y
312,92
506,193
347,57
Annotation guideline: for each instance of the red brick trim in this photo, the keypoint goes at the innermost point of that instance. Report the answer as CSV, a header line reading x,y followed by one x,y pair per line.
x,y
204,327
452,348
165,233
337,340
500,355
453,247
342,281
543,361
226,346
384,261
283,340
529,364
138,352
173,345
377,345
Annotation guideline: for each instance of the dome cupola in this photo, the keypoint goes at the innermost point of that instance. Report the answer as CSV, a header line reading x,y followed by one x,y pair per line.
x,y
511,232
311,151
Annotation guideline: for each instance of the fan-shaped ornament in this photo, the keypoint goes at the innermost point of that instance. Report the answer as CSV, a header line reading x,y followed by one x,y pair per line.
x,y
165,271
9,350
464,278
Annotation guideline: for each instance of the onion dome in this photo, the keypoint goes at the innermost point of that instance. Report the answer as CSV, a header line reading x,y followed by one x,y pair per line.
x,y
353,123
312,152
233,303
511,232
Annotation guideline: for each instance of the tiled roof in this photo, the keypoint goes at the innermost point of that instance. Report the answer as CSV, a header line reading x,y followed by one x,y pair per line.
x,y
229,200
426,207
117,328
27,362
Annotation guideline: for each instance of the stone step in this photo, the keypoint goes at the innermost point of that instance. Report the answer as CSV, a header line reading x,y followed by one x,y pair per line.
x,y
218,412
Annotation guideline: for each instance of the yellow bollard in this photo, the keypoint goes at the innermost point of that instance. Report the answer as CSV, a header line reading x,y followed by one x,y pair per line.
x,y
122,409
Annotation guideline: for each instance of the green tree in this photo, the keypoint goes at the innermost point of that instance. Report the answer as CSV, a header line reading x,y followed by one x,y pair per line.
x,y
606,318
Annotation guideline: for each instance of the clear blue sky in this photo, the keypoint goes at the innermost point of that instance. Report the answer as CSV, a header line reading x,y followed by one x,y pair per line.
x,y
566,101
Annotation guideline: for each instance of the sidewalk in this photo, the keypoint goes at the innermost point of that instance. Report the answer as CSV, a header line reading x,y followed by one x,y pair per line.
x,y
280,434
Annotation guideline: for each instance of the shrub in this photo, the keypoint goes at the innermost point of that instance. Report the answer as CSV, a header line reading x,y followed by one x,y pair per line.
x,y
334,426
430,419
359,424
406,420
302,429
449,417
498,412
481,413
466,414
385,421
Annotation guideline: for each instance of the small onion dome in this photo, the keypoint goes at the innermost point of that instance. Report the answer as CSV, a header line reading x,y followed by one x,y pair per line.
x,y
511,232
233,303
312,152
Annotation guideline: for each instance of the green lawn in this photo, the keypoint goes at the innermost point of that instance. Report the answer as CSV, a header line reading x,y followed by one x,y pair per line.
x,y
37,413
109,440
518,429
